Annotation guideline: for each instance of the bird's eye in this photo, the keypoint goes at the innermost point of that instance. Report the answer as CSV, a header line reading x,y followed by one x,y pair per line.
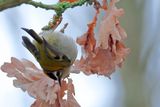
x,y
64,57
57,57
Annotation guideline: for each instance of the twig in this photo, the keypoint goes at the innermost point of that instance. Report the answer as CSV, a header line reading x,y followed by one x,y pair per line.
x,y
53,24
64,27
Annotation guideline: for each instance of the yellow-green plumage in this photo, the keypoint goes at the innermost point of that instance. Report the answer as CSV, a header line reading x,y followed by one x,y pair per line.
x,y
54,39
54,51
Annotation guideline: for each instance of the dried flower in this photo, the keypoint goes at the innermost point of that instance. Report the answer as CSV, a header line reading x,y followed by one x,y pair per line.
x,y
46,91
102,56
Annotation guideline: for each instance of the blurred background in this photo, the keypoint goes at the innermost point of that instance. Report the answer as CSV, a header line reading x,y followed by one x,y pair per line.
x,y
137,84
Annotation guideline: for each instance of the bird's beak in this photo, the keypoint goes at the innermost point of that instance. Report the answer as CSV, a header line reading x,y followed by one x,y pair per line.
x,y
59,80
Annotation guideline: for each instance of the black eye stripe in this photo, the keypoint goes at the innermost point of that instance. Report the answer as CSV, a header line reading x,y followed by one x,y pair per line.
x,y
63,57
57,57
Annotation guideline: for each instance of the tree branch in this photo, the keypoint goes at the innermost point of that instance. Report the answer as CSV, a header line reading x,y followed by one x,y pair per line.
x,y
59,7
41,5
5,4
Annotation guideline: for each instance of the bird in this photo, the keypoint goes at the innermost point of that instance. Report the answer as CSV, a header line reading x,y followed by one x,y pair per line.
x,y
54,51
